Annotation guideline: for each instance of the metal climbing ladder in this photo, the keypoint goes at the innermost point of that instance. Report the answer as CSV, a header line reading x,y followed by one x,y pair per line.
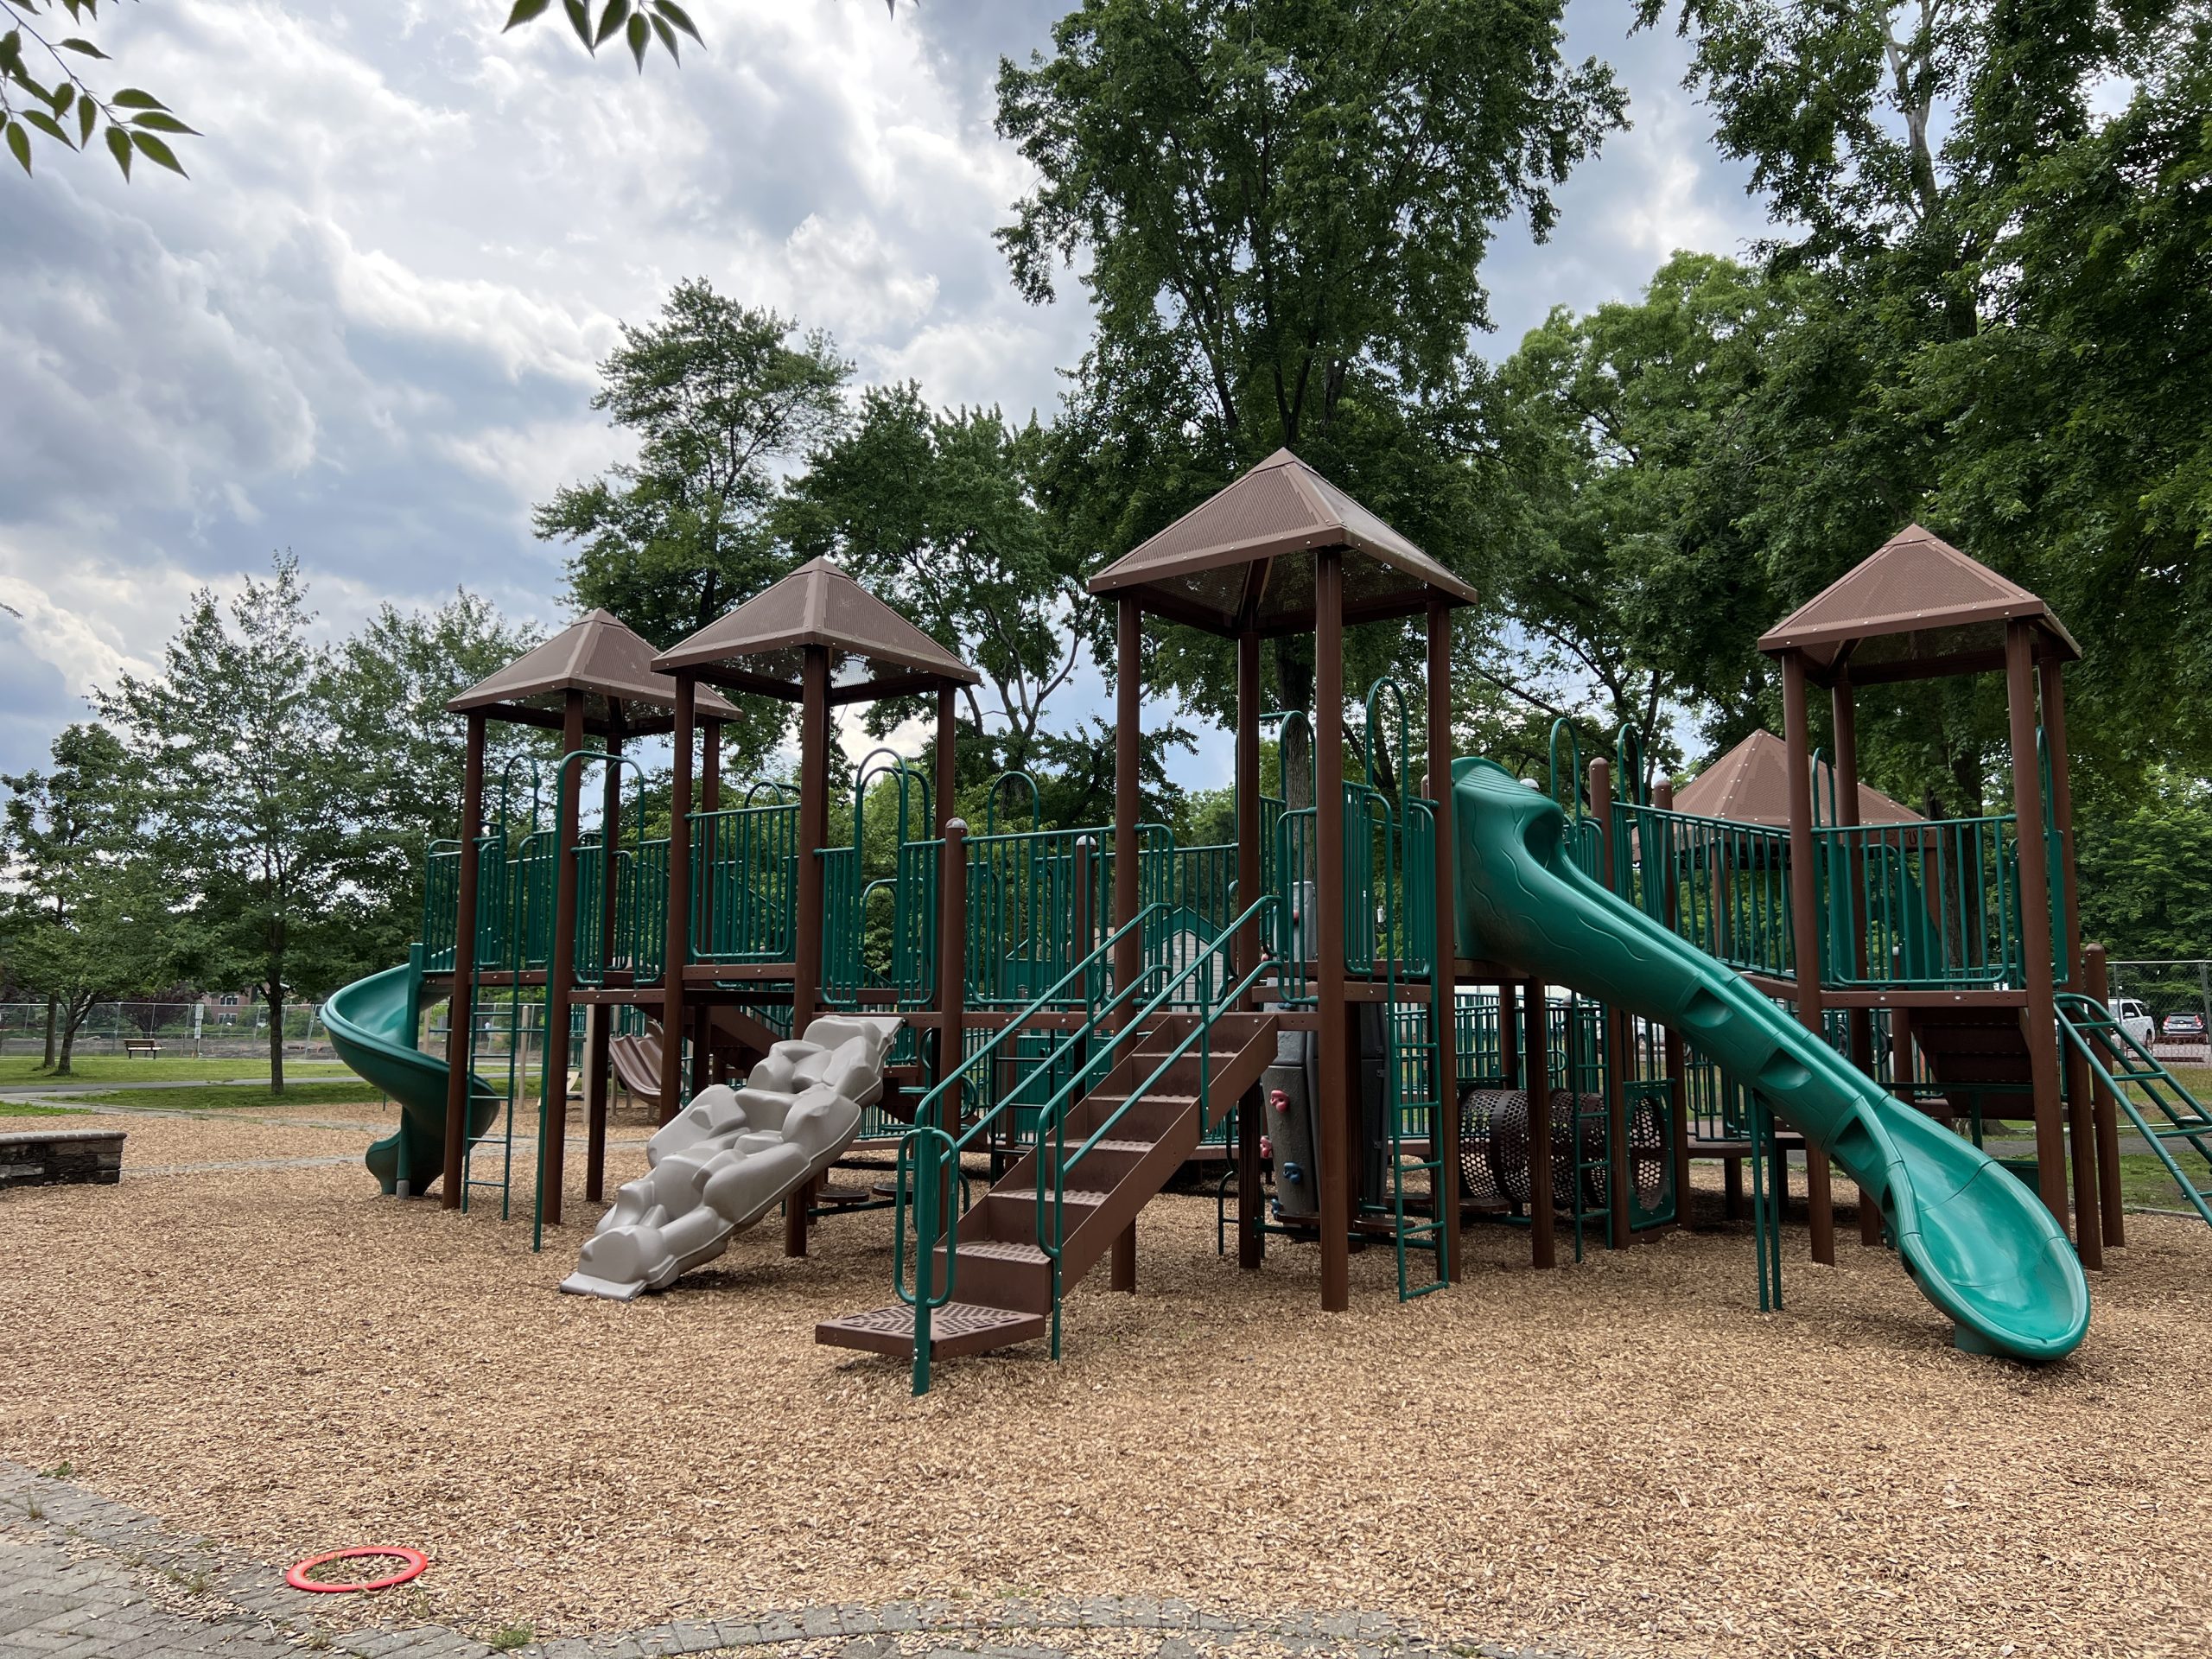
x,y
2121,1063
1416,1118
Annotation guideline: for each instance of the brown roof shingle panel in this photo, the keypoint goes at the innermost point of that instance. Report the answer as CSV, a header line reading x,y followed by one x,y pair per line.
x,y
1751,785
760,643
1914,582
1279,513
598,655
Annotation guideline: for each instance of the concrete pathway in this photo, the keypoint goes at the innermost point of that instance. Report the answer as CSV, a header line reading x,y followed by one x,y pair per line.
x,y
83,1577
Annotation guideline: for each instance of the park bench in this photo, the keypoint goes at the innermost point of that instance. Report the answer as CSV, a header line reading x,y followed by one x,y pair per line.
x,y
145,1046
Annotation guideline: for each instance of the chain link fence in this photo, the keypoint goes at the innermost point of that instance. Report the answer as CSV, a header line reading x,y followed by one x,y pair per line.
x,y
2176,992
176,1028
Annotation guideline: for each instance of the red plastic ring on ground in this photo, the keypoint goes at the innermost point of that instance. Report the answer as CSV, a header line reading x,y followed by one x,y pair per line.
x,y
414,1559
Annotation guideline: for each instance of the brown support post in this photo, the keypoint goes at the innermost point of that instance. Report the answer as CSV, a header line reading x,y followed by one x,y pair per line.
x,y
1335,1133
952,970
1444,983
460,1013
1128,954
813,830
2098,982
2041,1017
600,1018
1904,1070
1804,904
676,946
1536,1076
1619,1176
1251,1112
561,966
703,1045
1677,1057
2081,1114
1844,772
948,754
807,920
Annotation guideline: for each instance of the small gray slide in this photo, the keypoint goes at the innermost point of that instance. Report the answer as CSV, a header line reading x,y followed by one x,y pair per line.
x,y
731,1154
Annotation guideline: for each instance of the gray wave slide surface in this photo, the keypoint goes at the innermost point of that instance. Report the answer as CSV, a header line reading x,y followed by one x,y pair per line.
x,y
1979,1243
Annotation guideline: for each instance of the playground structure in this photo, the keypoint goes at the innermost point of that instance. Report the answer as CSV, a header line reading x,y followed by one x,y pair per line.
x,y
1350,1011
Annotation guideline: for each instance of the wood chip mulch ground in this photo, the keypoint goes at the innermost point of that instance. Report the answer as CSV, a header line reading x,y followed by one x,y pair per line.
x,y
1621,1457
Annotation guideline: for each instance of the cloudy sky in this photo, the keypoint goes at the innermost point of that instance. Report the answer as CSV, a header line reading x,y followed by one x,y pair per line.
x,y
365,328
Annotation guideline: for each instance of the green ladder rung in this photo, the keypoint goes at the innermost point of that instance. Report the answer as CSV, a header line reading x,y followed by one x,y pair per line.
x,y
2182,1132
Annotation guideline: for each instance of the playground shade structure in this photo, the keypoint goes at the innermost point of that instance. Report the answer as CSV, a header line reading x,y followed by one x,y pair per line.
x,y
1978,1243
371,1025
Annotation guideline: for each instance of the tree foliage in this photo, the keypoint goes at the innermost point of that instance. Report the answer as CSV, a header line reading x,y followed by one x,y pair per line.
x,y
936,513
249,788
384,691
719,396
89,916
1280,210
45,98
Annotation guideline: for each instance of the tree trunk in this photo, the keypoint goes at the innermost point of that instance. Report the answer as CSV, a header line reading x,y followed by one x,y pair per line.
x,y
68,1039
52,1010
276,1035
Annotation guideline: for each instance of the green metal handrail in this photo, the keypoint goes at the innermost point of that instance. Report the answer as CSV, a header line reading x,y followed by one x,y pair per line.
x,y
2082,1018
921,1183
1087,1074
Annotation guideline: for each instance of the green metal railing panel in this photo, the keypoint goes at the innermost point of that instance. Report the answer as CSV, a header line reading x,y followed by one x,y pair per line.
x,y
1924,904
745,885
533,874
440,905
1035,898
1723,886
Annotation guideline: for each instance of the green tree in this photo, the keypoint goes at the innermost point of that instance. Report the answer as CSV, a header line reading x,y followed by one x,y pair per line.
x,y
90,919
249,790
936,513
2140,854
719,396
1282,208
384,691
1978,346
1632,597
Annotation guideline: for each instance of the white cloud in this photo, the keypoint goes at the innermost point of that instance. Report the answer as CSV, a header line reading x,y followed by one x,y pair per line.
x,y
366,328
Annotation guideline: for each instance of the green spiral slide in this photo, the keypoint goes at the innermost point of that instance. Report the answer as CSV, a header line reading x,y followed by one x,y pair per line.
x,y
372,1026
1977,1241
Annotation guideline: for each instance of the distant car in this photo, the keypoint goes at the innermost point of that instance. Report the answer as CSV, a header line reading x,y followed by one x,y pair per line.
x,y
2134,1019
2185,1028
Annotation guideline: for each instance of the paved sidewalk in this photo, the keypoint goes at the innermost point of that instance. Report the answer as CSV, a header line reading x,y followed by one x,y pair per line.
x,y
83,1577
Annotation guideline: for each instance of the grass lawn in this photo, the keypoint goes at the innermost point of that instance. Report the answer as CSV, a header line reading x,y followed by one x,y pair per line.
x,y
216,1097
23,1109
2144,1181
22,1068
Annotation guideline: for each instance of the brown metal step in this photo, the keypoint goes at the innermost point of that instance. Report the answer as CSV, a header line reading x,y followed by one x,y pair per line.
x,y
954,1329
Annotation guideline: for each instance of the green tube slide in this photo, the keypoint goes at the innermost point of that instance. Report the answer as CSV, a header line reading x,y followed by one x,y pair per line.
x,y
372,1026
1980,1245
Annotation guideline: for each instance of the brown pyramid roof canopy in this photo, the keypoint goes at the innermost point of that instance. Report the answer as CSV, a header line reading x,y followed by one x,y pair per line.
x,y
1914,608
1751,785
874,650
598,656
1253,545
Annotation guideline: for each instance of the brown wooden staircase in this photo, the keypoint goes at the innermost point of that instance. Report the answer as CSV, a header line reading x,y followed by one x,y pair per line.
x,y
1142,1085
